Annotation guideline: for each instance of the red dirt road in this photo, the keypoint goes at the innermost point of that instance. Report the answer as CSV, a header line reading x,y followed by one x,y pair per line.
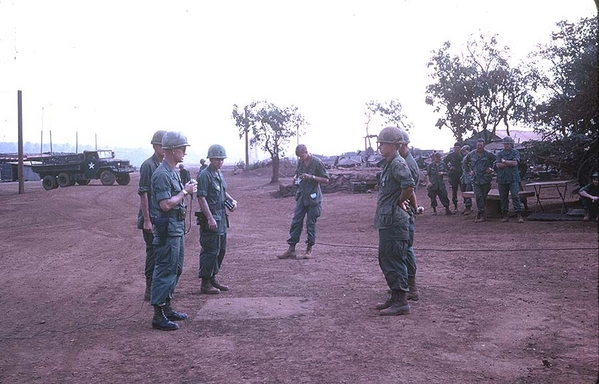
x,y
500,302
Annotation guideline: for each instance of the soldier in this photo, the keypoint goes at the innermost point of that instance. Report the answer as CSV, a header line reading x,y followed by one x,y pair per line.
x,y
184,174
404,151
453,162
213,197
392,221
203,165
168,199
589,195
479,165
436,186
466,181
310,172
144,217
508,179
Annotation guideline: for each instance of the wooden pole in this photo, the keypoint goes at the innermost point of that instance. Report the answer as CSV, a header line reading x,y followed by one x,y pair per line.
x,y
20,144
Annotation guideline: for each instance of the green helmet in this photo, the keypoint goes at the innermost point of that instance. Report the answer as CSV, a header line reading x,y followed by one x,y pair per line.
x,y
508,140
404,136
217,151
172,140
157,138
392,135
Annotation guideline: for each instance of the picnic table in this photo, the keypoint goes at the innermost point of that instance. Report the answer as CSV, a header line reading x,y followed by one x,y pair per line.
x,y
493,205
561,186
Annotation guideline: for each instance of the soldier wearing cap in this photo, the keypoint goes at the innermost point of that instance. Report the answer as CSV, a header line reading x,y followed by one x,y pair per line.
x,y
479,165
453,162
213,197
309,174
466,181
144,217
168,200
590,198
392,220
508,179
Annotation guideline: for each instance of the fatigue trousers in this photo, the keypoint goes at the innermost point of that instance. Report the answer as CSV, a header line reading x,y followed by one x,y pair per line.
x,y
150,259
505,190
466,187
442,193
212,254
312,213
169,264
411,256
454,181
392,255
480,192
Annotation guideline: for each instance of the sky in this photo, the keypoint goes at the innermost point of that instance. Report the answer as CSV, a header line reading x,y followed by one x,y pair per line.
x,y
112,72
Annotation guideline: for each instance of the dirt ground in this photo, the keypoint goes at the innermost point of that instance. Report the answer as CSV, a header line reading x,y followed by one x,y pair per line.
x,y
500,302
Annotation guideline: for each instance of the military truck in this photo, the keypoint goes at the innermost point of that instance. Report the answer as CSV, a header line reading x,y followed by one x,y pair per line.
x,y
68,169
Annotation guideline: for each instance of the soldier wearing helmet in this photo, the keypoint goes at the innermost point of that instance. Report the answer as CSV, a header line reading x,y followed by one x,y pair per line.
x,y
589,195
168,200
213,197
508,179
479,165
309,174
466,181
144,217
412,208
396,186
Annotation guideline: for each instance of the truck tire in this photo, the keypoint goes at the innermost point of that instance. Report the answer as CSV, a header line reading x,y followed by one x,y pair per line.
x,y
123,178
64,180
107,177
49,182
83,181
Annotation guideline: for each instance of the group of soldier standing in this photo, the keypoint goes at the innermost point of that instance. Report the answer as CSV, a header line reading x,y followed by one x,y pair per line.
x,y
162,213
473,170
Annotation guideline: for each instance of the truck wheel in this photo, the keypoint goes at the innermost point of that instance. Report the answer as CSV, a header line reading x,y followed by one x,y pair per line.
x,y
123,178
83,182
107,177
49,182
64,180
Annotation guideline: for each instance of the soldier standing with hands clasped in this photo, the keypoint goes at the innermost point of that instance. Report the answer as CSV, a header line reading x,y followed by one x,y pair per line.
x,y
396,185
168,200
479,165
213,220
508,179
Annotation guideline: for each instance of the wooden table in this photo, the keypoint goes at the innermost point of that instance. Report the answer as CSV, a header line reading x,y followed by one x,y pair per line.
x,y
561,186
493,204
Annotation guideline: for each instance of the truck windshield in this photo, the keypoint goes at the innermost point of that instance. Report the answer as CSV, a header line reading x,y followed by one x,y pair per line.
x,y
105,154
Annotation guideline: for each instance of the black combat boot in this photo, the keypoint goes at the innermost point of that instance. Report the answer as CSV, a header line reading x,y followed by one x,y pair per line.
x,y
218,285
399,306
289,253
148,292
173,315
386,304
455,207
208,288
505,217
413,292
448,211
308,254
160,321
434,210
520,218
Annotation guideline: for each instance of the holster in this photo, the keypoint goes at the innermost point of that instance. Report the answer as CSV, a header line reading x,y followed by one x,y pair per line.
x,y
201,220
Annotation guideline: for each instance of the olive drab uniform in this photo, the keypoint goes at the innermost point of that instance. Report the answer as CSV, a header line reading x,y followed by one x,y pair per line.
x,y
308,201
145,186
438,185
481,182
508,181
411,255
169,229
453,162
393,223
212,186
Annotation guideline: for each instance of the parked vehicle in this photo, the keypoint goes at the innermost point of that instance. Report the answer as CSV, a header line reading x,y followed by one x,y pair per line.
x,y
65,170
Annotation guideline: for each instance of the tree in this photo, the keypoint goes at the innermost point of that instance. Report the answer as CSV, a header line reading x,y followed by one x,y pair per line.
x,y
271,128
390,111
476,90
566,115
